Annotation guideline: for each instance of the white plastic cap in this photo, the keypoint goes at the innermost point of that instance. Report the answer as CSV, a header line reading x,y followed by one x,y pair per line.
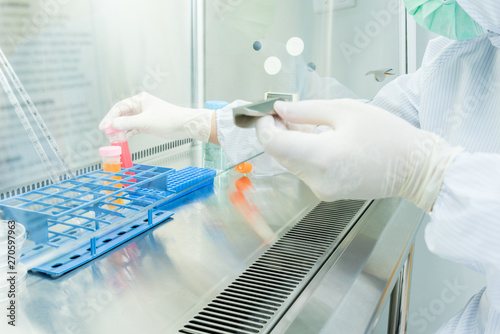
x,y
110,151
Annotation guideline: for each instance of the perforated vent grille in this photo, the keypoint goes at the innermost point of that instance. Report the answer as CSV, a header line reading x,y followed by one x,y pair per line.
x,y
254,302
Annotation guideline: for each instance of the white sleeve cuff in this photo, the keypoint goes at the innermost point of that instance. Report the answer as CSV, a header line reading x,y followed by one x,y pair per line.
x,y
238,144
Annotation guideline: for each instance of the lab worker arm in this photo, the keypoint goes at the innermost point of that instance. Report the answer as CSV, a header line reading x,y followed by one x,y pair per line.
x,y
367,153
147,114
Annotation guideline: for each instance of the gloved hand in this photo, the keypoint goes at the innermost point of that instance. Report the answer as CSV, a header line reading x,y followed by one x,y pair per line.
x,y
368,153
145,113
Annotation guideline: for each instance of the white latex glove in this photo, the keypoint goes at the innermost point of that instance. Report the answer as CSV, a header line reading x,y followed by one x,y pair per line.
x,y
145,113
368,153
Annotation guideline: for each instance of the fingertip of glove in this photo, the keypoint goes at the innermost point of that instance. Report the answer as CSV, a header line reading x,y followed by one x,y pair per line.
x,y
104,124
264,122
266,130
130,134
281,107
119,124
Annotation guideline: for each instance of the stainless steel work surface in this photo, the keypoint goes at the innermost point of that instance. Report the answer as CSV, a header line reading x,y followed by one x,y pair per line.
x,y
155,282
160,280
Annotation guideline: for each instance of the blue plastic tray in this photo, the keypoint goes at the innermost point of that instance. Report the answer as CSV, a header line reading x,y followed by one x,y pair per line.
x,y
77,220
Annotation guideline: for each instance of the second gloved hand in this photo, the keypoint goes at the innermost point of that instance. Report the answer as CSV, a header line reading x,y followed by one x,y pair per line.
x,y
368,153
145,113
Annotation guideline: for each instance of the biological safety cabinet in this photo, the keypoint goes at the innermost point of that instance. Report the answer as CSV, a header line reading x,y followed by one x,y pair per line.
x,y
240,253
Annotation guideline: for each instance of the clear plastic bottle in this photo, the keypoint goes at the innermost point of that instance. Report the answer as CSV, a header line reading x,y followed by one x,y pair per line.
x,y
213,156
111,161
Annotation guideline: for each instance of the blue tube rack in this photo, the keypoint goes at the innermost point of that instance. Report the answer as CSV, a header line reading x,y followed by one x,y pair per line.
x,y
77,220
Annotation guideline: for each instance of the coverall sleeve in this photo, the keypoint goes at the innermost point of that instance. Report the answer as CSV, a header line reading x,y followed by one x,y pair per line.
x,y
465,221
401,97
238,144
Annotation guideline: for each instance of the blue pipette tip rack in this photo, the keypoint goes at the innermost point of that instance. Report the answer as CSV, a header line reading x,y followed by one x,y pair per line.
x,y
77,220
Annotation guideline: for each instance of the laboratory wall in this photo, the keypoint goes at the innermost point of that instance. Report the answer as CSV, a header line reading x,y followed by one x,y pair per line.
x,y
76,59
360,40
248,48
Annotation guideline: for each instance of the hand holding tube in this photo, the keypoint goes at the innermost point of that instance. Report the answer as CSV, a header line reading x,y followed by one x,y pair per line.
x,y
145,113
368,153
